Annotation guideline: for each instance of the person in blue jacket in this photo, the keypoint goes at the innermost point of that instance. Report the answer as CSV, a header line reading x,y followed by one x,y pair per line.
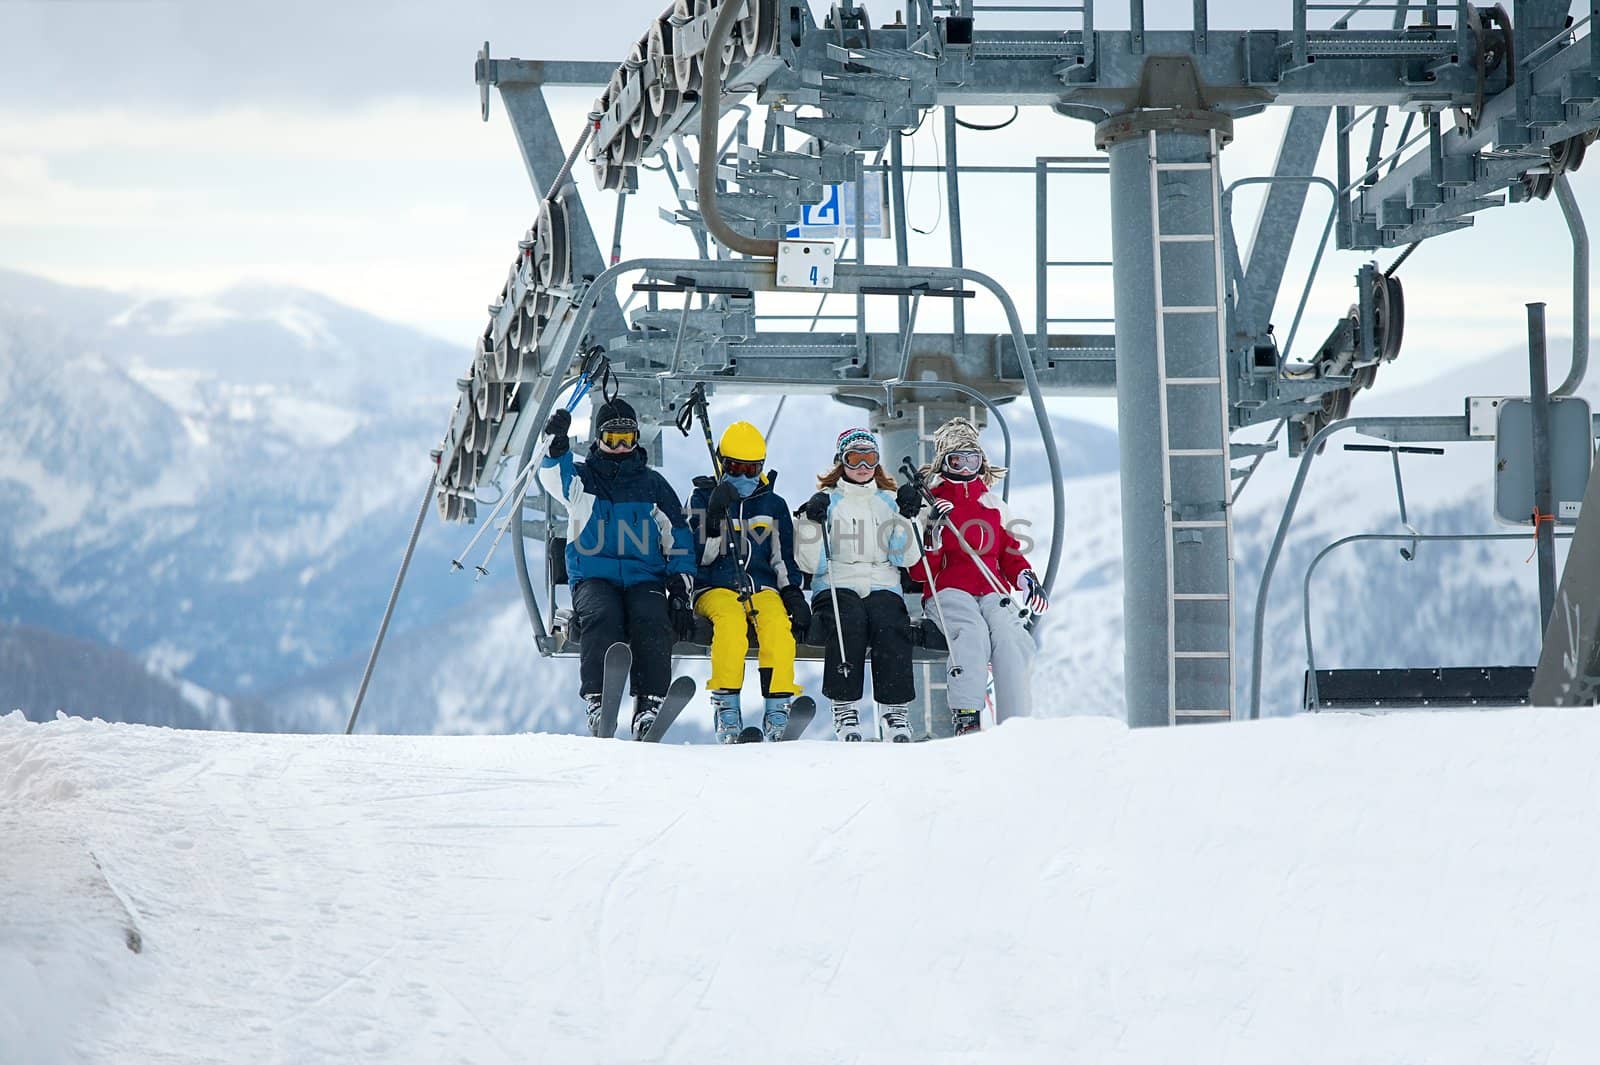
x,y
747,576
630,556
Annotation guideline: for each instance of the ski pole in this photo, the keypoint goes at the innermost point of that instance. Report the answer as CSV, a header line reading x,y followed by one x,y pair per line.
x,y
483,567
591,364
933,593
833,593
516,488
695,407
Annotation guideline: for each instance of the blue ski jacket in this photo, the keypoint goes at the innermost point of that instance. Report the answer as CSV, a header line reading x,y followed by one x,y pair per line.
x,y
755,549
624,523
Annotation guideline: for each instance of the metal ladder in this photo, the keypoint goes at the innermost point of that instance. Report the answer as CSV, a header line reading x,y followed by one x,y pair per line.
x,y
1205,508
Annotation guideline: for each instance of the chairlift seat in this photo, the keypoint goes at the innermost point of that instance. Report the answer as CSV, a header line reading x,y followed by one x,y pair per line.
x,y
927,642
1442,687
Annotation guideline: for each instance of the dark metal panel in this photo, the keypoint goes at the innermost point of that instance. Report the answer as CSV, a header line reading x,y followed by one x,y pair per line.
x,y
1279,218
1569,665
1451,686
543,156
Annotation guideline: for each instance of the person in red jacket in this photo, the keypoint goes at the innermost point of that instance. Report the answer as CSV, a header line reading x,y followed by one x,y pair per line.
x,y
977,580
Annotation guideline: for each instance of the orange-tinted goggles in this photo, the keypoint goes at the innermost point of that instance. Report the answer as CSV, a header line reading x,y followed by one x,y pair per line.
x,y
861,460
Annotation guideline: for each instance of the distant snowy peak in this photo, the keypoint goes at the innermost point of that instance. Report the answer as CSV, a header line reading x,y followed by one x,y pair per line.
x,y
303,316
165,317
43,673
264,408
253,335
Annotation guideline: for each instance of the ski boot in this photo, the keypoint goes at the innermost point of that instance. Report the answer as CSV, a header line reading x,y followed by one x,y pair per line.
x,y
776,717
845,723
726,716
645,709
594,713
965,721
895,727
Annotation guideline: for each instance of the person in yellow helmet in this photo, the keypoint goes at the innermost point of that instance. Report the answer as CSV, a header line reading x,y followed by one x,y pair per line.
x,y
745,540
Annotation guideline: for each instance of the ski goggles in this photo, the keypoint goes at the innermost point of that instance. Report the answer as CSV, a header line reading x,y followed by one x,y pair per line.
x,y
860,460
964,463
742,467
619,435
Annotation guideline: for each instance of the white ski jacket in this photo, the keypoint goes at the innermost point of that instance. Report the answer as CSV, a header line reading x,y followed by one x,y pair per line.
x,y
869,538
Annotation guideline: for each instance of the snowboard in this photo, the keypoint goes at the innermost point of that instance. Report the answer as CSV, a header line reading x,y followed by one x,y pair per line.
x,y
751,734
618,665
801,711
677,697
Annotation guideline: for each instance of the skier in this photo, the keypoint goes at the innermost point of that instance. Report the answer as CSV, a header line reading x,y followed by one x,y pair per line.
x,y
629,556
854,536
969,587
747,574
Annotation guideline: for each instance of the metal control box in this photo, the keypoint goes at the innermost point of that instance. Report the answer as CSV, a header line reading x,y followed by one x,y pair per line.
x,y
1571,455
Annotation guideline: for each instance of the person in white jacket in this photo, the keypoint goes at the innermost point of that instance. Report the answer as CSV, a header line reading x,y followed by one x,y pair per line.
x,y
854,536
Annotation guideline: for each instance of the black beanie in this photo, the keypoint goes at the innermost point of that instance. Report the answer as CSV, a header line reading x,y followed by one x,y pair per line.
x,y
615,414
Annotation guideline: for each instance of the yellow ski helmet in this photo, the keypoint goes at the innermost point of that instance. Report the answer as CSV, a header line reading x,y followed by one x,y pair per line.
x,y
743,442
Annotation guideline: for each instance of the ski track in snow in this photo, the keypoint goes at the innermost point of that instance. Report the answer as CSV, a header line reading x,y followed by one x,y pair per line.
x,y
1340,889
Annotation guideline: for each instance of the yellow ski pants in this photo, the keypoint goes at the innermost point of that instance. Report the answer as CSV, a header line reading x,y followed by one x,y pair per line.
x,y
730,638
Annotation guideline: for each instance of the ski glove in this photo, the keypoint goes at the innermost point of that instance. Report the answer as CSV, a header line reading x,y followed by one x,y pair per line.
x,y
941,511
680,587
794,601
556,429
724,497
909,499
1030,585
815,509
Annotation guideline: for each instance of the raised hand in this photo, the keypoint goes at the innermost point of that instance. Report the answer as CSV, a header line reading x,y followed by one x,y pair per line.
x,y
556,429
724,497
816,508
909,499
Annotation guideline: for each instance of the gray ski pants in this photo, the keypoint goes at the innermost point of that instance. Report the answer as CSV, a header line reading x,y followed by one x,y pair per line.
x,y
982,632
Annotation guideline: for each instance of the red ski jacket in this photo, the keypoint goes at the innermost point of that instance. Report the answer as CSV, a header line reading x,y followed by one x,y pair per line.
x,y
986,524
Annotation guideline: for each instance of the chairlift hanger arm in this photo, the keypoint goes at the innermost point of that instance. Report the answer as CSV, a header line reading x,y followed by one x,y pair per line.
x,y
1386,448
1441,428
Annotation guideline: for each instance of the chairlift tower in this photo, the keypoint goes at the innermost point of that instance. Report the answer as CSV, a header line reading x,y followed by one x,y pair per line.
x,y
1437,111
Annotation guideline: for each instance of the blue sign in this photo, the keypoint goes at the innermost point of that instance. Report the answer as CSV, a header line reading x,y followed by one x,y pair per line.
x,y
835,217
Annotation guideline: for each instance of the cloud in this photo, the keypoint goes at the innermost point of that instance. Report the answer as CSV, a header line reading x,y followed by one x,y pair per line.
x,y
30,195
399,130
190,54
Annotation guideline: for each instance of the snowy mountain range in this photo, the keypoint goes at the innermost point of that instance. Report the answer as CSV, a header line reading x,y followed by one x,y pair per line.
x,y
219,491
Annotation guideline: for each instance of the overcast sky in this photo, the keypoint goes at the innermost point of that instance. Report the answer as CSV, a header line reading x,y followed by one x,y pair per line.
x,y
179,147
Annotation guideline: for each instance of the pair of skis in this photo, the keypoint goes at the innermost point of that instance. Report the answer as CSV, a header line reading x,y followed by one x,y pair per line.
x,y
801,711
618,667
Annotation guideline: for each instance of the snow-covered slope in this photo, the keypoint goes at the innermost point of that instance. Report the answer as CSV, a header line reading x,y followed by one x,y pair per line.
x,y
1332,889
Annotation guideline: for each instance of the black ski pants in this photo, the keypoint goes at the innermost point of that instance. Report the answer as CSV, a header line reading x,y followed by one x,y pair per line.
x,y
637,616
878,622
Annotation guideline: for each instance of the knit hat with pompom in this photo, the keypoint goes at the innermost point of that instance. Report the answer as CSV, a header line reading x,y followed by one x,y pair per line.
x,y
959,434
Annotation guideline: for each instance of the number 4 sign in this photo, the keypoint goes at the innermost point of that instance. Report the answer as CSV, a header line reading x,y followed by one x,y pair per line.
x,y
805,264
